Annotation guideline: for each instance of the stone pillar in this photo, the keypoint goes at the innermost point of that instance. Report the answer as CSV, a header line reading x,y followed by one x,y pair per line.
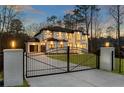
x,y
13,67
107,58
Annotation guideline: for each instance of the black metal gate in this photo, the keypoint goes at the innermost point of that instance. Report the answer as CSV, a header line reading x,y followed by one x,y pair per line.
x,y
1,61
1,69
56,61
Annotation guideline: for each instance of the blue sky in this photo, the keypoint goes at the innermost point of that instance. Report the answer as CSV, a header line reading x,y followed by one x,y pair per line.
x,y
41,12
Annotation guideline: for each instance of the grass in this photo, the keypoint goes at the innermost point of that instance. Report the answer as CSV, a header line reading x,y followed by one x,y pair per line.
x,y
82,59
1,75
86,60
117,66
25,84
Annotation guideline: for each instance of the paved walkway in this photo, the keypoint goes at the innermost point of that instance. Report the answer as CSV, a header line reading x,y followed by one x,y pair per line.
x,y
89,78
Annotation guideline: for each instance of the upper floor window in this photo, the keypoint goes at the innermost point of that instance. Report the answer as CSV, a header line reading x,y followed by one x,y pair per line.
x,y
48,33
84,46
77,45
66,35
59,34
78,36
84,37
70,45
70,36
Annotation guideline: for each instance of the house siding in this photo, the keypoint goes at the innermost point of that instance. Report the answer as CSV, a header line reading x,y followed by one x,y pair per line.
x,y
74,39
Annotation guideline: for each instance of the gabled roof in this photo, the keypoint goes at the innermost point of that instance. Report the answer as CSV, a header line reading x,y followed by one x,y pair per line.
x,y
33,40
59,29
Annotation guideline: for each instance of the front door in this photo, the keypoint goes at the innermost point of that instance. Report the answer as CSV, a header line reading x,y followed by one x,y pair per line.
x,y
43,48
33,48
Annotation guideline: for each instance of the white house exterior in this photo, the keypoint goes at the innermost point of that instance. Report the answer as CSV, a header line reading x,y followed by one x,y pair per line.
x,y
51,38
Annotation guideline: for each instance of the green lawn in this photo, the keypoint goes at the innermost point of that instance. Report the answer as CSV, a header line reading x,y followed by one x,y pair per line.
x,y
117,66
25,84
82,59
86,60
1,76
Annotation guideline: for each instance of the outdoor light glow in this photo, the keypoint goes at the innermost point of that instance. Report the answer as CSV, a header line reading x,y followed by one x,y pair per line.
x,y
48,31
78,45
33,44
43,43
107,44
51,42
61,43
88,36
13,44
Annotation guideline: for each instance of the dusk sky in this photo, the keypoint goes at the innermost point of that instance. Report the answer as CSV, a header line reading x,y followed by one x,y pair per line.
x,y
39,13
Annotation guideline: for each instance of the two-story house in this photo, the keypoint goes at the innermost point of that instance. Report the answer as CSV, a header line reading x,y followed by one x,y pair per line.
x,y
57,37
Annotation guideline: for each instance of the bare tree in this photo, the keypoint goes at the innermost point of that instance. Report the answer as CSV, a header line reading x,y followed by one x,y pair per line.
x,y
7,14
97,24
16,26
69,21
32,29
117,13
83,15
110,31
52,20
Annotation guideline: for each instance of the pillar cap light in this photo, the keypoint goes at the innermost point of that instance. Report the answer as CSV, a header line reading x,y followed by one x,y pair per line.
x,y
107,44
13,44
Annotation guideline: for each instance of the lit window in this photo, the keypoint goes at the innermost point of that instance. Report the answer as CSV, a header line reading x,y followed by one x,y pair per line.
x,y
48,33
84,37
77,45
51,45
61,45
78,36
67,36
70,36
59,35
70,45
84,46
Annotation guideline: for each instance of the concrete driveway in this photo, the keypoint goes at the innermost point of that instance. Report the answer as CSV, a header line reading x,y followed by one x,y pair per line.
x,y
89,78
41,64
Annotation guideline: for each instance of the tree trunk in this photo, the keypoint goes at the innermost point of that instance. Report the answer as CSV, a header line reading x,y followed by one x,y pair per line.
x,y
91,46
